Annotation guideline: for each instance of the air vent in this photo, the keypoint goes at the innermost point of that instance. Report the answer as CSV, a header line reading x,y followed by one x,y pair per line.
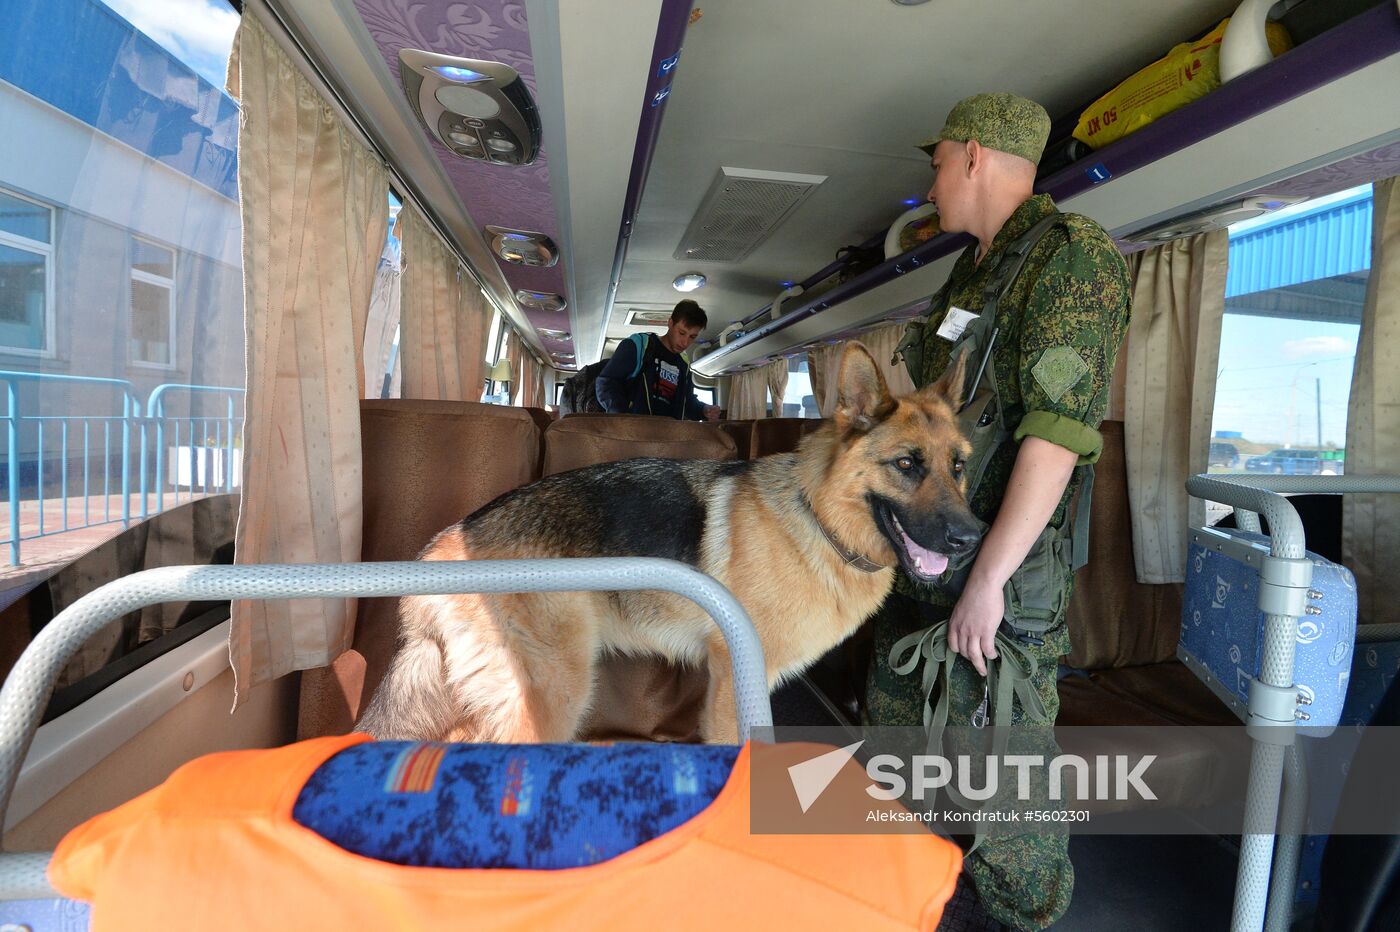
x,y
648,317
742,209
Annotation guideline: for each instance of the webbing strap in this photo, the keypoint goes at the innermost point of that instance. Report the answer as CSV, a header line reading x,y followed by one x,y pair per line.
x,y
1009,677
1079,528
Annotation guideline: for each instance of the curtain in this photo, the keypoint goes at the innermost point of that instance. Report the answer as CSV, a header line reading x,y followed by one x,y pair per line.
x,y
1173,347
314,205
441,345
536,397
1371,523
821,363
513,351
775,376
824,365
748,394
383,320
881,342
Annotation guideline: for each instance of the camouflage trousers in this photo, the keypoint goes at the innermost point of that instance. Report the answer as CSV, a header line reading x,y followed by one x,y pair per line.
x,y
1024,881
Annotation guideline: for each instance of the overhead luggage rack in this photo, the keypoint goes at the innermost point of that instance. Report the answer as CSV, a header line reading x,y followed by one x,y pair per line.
x,y
1361,41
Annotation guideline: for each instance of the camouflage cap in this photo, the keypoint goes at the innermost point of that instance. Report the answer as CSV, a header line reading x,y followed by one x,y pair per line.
x,y
998,121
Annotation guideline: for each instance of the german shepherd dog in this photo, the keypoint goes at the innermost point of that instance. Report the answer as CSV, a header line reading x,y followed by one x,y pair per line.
x,y
883,482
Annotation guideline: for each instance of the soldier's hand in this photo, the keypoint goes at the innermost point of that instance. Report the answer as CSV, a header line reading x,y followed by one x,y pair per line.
x,y
972,628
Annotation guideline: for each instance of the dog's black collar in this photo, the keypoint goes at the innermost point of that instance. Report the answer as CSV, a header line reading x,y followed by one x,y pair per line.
x,y
850,556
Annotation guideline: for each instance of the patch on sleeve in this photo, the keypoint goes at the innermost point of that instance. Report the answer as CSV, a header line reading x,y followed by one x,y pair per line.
x,y
1060,368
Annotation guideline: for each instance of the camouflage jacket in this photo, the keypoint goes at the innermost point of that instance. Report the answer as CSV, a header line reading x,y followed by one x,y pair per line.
x,y
1059,332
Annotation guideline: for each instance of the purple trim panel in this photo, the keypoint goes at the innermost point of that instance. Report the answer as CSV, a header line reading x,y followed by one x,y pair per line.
x,y
517,197
1360,41
665,61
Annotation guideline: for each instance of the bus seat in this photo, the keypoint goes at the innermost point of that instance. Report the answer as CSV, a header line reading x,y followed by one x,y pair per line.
x,y
426,464
574,442
1360,874
542,417
638,698
781,434
742,432
1124,636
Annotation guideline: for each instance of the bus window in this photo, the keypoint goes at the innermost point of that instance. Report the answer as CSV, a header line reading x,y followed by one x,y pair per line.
x,y
1293,302
121,299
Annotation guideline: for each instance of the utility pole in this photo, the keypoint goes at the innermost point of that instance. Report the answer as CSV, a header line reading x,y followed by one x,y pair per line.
x,y
1319,413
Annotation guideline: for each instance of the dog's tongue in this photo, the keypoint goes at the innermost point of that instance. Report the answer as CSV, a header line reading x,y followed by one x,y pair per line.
x,y
926,561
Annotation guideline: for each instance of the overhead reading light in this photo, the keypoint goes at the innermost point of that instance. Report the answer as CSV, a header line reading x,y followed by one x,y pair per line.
x,y
1213,218
481,110
688,282
555,334
540,300
519,247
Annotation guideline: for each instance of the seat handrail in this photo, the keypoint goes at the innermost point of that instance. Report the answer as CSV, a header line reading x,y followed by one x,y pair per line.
x,y
27,689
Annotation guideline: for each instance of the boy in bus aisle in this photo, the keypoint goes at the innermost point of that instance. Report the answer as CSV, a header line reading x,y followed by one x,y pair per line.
x,y
1058,330
660,383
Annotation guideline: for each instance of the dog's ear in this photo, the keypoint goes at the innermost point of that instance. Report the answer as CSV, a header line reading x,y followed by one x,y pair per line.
x,y
951,383
863,398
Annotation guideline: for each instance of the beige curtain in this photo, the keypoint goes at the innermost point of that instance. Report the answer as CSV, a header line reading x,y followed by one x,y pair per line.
x,y
538,397
824,365
881,342
441,342
821,362
383,321
748,394
513,351
1371,523
775,376
1169,395
314,205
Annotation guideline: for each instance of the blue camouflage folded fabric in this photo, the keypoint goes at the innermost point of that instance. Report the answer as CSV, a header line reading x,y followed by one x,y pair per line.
x,y
525,807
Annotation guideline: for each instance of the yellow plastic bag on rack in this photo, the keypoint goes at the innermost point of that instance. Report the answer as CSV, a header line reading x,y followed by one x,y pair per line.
x,y
1186,73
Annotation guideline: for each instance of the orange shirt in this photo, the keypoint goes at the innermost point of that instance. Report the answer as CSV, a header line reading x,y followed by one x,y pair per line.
x,y
215,847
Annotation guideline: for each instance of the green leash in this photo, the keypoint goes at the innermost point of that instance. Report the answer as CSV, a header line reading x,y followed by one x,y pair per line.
x,y
1008,678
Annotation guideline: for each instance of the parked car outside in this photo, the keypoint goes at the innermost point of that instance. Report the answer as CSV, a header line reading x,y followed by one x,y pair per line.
x,y
1224,454
1297,463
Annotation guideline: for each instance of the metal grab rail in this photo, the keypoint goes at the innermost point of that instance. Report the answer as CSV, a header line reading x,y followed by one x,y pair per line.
x,y
1252,496
27,689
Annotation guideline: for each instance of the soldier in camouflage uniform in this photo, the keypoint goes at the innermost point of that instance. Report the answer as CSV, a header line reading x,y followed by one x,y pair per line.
x,y
1059,329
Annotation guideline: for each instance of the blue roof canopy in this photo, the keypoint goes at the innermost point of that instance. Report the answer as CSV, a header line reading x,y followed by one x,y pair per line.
x,y
84,59
1329,240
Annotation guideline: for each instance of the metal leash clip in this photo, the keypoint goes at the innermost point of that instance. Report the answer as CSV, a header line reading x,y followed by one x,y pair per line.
x,y
979,715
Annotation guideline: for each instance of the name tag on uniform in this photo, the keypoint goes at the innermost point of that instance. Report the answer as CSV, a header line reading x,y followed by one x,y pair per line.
x,y
955,323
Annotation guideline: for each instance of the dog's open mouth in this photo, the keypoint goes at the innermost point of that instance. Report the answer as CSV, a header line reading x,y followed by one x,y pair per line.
x,y
918,561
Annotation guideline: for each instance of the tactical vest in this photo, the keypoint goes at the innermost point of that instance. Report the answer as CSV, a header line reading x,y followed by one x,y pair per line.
x,y
1034,595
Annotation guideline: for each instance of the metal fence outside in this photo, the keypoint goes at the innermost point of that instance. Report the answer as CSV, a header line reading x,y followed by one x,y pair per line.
x,y
121,447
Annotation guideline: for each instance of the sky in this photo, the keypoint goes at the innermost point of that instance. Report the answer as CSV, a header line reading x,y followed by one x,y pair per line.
x,y
1269,372
198,32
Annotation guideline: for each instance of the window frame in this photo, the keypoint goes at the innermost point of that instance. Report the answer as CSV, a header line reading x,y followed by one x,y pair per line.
x,y
47,250
148,278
